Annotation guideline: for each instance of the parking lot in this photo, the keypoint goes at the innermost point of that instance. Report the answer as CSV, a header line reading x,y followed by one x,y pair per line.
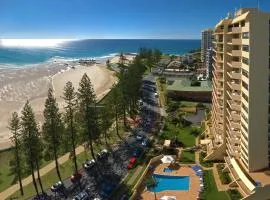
x,y
98,179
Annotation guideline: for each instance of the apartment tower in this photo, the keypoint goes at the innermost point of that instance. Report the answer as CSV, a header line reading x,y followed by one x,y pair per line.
x,y
239,128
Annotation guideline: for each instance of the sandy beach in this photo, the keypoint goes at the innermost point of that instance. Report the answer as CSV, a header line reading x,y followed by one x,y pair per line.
x,y
32,83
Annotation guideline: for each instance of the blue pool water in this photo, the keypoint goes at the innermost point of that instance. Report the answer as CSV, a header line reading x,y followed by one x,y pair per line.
x,y
167,170
170,183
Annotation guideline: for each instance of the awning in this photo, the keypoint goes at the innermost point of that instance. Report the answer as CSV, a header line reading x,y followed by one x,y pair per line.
x,y
167,159
168,198
242,175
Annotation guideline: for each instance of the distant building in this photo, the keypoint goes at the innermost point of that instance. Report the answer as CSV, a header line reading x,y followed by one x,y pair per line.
x,y
182,89
206,43
187,59
208,63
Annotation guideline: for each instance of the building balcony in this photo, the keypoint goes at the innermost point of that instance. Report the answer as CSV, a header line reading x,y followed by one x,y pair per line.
x,y
236,53
236,30
234,85
234,151
234,115
236,41
235,96
234,75
231,132
234,125
217,68
234,64
234,105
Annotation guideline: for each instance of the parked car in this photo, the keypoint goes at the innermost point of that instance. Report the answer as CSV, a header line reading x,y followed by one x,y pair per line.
x,y
75,178
89,164
139,137
156,94
145,142
57,187
132,162
136,152
81,196
103,154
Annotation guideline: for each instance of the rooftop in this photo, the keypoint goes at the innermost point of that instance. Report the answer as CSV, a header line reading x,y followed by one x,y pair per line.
x,y
184,85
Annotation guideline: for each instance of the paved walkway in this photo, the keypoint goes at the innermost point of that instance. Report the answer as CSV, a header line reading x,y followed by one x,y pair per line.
x,y
14,188
135,175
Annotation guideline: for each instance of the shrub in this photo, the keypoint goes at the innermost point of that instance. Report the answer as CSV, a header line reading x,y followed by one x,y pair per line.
x,y
224,176
205,163
195,131
195,83
234,194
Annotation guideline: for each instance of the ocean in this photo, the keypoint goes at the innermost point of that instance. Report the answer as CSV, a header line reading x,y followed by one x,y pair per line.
x,y
82,49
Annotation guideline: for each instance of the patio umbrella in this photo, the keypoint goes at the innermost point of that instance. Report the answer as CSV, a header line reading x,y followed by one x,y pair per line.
x,y
168,198
167,159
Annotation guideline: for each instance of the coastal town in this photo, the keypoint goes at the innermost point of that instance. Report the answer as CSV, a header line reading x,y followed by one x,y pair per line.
x,y
146,125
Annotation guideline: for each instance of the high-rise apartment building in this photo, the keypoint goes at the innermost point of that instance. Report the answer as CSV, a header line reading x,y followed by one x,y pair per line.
x,y
209,63
239,128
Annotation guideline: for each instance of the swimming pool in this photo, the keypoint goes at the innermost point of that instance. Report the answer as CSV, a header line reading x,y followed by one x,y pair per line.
x,y
170,183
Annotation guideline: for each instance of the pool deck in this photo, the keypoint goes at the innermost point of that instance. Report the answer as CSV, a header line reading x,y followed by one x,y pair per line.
x,y
191,194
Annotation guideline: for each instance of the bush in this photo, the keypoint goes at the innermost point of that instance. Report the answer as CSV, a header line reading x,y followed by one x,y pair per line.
x,y
195,131
205,163
224,176
200,105
195,83
234,194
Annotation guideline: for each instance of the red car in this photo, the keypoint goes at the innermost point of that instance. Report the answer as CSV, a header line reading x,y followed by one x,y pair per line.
x,y
75,178
132,162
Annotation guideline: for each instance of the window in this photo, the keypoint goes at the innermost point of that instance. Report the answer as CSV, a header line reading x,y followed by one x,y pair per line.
x,y
245,60
245,48
245,35
243,23
245,128
245,85
245,108
245,97
245,73
244,117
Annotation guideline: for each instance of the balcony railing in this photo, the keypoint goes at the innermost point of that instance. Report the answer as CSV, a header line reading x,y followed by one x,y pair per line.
x,y
234,85
234,75
234,105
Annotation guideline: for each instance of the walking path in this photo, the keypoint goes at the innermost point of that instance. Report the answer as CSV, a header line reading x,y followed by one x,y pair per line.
x,y
14,188
135,175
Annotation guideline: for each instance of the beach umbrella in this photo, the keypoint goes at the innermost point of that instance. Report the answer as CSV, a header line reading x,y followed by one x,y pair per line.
x,y
168,198
167,159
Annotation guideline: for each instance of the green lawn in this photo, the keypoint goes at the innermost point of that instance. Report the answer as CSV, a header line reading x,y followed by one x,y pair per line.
x,y
182,133
5,178
187,157
211,192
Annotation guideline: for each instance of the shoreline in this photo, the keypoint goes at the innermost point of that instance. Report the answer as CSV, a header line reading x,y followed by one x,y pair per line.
x,y
21,84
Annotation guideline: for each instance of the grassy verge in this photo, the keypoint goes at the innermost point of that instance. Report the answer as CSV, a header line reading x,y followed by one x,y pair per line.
x,y
183,134
187,157
210,191
6,179
162,88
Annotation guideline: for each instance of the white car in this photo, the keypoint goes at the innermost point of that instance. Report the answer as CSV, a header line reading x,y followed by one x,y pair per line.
x,y
156,94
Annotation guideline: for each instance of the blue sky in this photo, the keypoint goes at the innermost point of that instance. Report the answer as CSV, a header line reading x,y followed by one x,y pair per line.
x,y
114,18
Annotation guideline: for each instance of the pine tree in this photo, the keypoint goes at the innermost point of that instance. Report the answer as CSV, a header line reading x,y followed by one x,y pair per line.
x,y
70,99
14,127
29,132
52,128
87,102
